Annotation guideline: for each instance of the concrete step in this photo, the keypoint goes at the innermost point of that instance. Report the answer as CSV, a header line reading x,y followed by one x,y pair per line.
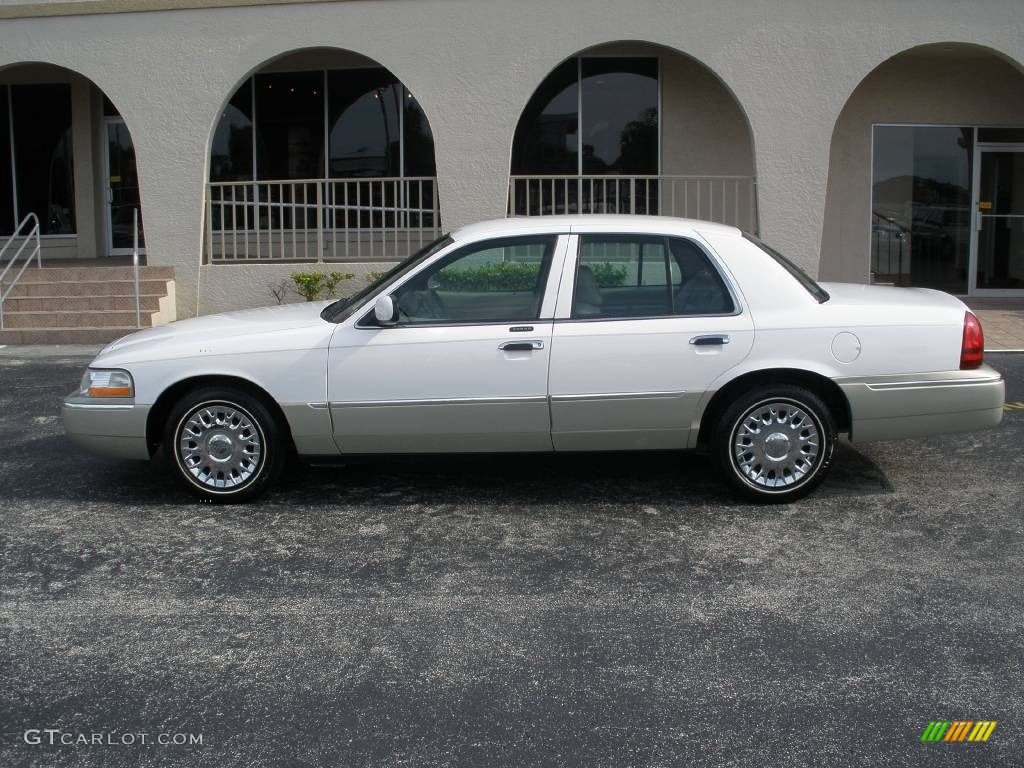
x,y
77,335
51,274
88,288
103,318
148,302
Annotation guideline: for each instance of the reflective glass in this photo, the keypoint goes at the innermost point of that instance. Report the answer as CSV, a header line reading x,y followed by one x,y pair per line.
x,y
920,206
290,125
231,154
620,115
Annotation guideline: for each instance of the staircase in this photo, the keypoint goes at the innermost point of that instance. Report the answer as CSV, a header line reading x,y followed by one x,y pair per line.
x,y
84,305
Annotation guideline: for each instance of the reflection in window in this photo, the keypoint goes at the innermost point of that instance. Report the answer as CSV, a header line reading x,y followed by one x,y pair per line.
x,y
43,155
231,155
628,276
617,128
494,281
920,206
363,122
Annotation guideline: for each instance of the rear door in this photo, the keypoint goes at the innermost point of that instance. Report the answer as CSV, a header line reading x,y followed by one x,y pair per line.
x,y
643,325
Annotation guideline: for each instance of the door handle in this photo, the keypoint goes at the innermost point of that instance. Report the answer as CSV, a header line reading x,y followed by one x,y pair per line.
x,y
710,340
521,346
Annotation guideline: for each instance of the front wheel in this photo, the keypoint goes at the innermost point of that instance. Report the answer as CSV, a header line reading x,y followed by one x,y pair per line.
x,y
775,443
223,444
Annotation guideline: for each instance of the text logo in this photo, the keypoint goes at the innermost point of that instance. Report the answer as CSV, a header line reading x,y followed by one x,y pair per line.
x,y
958,730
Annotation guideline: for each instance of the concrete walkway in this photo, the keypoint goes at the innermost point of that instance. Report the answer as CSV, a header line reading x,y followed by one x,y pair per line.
x,y
1003,322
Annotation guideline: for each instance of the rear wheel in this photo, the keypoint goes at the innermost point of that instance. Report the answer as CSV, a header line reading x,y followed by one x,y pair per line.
x,y
223,444
775,443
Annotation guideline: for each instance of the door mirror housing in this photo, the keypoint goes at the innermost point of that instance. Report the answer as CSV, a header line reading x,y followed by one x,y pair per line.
x,y
385,310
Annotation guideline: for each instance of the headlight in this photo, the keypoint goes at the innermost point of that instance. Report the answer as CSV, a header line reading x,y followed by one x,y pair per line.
x,y
112,383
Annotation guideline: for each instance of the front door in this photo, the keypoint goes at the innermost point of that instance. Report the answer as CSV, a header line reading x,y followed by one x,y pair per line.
x,y
466,367
999,220
122,193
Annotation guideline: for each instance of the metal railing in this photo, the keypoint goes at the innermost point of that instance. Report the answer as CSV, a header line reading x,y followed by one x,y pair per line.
x,y
726,199
36,253
135,266
314,220
889,245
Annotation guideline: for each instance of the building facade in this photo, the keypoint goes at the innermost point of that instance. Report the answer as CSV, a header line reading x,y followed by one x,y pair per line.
x,y
869,141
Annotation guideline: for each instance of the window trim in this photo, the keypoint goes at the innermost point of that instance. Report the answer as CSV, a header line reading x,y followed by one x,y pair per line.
x,y
712,261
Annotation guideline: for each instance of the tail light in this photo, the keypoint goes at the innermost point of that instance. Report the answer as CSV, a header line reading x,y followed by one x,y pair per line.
x,y
972,350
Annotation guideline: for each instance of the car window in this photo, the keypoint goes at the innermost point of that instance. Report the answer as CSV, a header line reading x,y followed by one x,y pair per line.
x,y
631,276
493,281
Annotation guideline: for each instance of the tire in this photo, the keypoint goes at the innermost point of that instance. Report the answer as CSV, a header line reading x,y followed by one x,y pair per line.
x,y
238,448
784,463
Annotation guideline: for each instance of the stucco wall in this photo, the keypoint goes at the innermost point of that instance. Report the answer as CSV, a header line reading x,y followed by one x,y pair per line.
x,y
956,87
473,66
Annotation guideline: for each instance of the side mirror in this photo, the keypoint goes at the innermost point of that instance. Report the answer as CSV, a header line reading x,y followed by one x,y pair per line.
x,y
385,311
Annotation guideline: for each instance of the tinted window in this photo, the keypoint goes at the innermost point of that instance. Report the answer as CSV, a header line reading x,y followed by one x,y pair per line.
x,y
231,150
626,276
493,281
6,190
546,139
290,136
43,158
620,115
363,123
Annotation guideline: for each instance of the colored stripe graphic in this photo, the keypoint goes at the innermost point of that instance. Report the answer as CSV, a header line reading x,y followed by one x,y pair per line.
x,y
959,730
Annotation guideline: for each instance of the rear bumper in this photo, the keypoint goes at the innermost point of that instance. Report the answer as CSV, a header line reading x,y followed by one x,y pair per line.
x,y
916,405
109,429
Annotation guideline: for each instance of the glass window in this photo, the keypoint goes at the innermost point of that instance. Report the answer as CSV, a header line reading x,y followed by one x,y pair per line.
x,y
628,276
364,138
290,125
920,206
43,155
547,139
494,281
7,222
620,115
231,153
419,141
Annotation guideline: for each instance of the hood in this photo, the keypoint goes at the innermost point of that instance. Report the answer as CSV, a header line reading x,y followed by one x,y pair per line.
x,y
858,294
224,325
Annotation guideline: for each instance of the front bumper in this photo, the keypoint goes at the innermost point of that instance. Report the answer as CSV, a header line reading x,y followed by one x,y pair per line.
x,y
116,428
917,405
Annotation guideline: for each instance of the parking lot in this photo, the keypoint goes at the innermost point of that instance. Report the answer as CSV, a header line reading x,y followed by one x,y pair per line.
x,y
611,610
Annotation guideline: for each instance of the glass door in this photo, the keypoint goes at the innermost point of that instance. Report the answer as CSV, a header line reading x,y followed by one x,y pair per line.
x,y
122,189
999,220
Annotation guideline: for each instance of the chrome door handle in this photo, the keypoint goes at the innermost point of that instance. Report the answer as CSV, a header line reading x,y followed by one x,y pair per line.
x,y
711,340
521,346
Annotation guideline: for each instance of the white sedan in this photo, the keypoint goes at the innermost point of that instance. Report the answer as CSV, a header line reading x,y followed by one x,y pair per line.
x,y
586,333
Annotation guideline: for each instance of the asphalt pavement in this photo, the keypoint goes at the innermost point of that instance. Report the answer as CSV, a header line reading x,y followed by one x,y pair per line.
x,y
612,610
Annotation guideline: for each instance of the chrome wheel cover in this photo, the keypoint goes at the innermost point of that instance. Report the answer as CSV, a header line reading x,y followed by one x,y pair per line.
x,y
776,445
220,446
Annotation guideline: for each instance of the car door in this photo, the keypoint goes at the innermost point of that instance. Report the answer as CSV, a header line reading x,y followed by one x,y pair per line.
x,y
465,368
643,324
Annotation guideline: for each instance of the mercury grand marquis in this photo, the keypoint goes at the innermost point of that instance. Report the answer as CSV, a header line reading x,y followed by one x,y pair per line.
x,y
587,333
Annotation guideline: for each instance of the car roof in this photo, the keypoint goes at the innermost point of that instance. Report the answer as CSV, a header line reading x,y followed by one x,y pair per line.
x,y
624,222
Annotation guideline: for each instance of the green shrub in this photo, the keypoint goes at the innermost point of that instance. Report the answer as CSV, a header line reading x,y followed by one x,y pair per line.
x,y
608,275
500,276
312,285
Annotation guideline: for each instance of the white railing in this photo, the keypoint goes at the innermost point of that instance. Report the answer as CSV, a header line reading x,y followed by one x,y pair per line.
x,y
28,236
314,220
726,199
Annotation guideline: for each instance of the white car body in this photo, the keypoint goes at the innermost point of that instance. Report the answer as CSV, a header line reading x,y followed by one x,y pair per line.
x,y
590,384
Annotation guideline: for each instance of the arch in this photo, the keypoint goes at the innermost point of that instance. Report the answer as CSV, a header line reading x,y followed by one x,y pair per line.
x,y
341,147
913,226
60,127
682,134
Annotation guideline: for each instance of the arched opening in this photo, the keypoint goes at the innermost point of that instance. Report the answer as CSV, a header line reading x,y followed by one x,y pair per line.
x,y
66,157
634,128
321,155
926,174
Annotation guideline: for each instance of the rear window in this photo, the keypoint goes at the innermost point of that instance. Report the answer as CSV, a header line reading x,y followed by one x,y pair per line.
x,y
820,294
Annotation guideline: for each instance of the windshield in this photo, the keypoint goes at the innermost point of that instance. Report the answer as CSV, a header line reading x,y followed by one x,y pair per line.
x,y
343,308
819,293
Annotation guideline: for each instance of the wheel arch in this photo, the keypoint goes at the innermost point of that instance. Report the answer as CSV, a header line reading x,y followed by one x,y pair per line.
x,y
162,407
821,385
